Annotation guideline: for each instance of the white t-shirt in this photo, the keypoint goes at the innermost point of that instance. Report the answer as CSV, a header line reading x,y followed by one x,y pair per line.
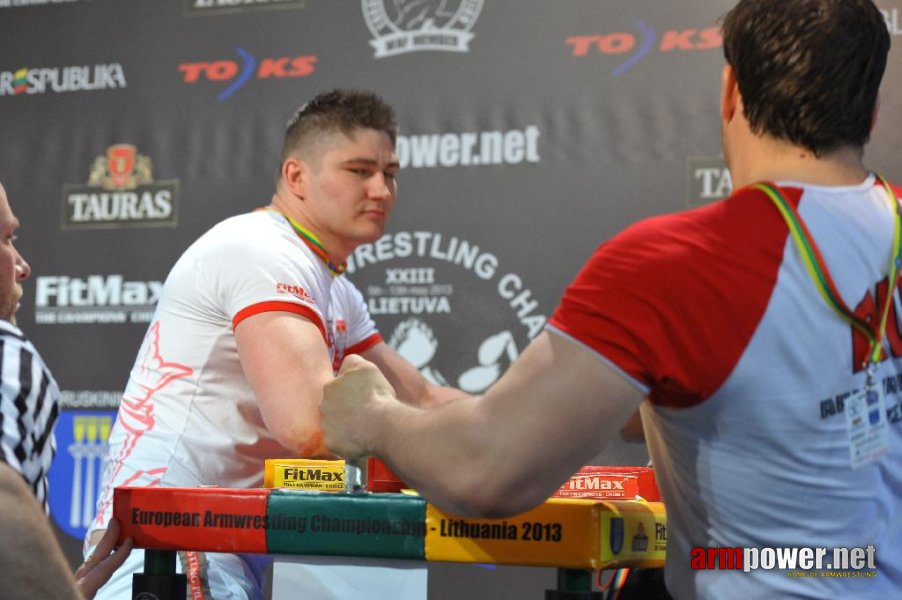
x,y
188,416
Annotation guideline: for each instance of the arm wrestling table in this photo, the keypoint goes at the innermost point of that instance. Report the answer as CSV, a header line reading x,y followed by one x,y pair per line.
x,y
577,536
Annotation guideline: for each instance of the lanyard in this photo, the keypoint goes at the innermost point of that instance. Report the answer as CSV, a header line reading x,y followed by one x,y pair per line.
x,y
817,269
313,243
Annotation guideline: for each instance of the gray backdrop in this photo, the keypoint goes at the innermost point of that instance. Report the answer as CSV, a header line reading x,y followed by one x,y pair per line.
x,y
531,132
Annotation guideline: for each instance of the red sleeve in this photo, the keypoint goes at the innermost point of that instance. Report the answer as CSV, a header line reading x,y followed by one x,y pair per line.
x,y
364,345
298,309
674,300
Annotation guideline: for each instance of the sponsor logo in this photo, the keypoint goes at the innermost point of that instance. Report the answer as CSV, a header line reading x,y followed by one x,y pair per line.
x,y
615,536
15,3
632,47
708,180
90,398
237,73
329,479
419,285
75,474
206,7
120,192
96,299
804,561
640,540
403,26
294,290
59,80
892,20
482,148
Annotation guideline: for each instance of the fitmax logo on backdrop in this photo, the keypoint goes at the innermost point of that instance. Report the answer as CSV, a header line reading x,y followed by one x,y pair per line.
x,y
95,299
236,73
400,26
120,192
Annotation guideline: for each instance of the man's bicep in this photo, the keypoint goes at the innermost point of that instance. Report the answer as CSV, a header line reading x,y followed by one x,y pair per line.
x,y
286,362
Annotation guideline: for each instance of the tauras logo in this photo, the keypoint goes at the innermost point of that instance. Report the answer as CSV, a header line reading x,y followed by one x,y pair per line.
x,y
709,180
95,291
411,25
120,192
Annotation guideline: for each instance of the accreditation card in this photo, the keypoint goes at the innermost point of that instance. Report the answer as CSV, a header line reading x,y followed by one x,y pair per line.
x,y
866,425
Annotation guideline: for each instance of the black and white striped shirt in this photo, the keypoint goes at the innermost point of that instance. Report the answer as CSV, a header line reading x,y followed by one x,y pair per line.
x,y
29,406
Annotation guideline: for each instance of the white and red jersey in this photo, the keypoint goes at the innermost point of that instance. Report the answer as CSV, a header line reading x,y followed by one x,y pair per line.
x,y
714,316
188,416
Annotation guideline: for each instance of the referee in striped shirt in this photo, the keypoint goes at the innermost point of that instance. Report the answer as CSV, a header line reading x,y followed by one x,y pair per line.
x,y
31,563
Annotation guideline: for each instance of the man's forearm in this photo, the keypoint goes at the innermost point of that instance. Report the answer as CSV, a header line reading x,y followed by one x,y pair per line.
x,y
444,452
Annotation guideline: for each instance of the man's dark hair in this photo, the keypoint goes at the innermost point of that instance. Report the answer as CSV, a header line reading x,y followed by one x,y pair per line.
x,y
338,111
808,70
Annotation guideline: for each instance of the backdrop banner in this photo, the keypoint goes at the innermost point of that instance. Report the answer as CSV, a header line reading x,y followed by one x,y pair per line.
x,y
531,132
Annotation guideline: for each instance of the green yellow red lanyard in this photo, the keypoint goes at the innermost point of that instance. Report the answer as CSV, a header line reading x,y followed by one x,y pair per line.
x,y
817,269
313,243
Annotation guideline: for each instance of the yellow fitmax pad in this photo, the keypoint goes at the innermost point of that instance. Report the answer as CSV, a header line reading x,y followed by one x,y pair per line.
x,y
305,474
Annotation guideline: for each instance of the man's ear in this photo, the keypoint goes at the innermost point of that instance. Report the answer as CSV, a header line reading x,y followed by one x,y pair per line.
x,y
730,100
294,176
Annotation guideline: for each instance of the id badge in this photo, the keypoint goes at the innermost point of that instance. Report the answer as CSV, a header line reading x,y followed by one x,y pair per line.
x,y
866,425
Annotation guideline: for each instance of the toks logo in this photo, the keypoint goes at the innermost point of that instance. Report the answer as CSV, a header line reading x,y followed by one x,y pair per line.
x,y
120,192
237,74
411,25
634,47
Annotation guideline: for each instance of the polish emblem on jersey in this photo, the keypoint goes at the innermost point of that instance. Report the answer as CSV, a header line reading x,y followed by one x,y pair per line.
x,y
400,26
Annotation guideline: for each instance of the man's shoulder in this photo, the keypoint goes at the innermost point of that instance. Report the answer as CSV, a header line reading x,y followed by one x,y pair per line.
x,y
244,237
737,223
10,331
